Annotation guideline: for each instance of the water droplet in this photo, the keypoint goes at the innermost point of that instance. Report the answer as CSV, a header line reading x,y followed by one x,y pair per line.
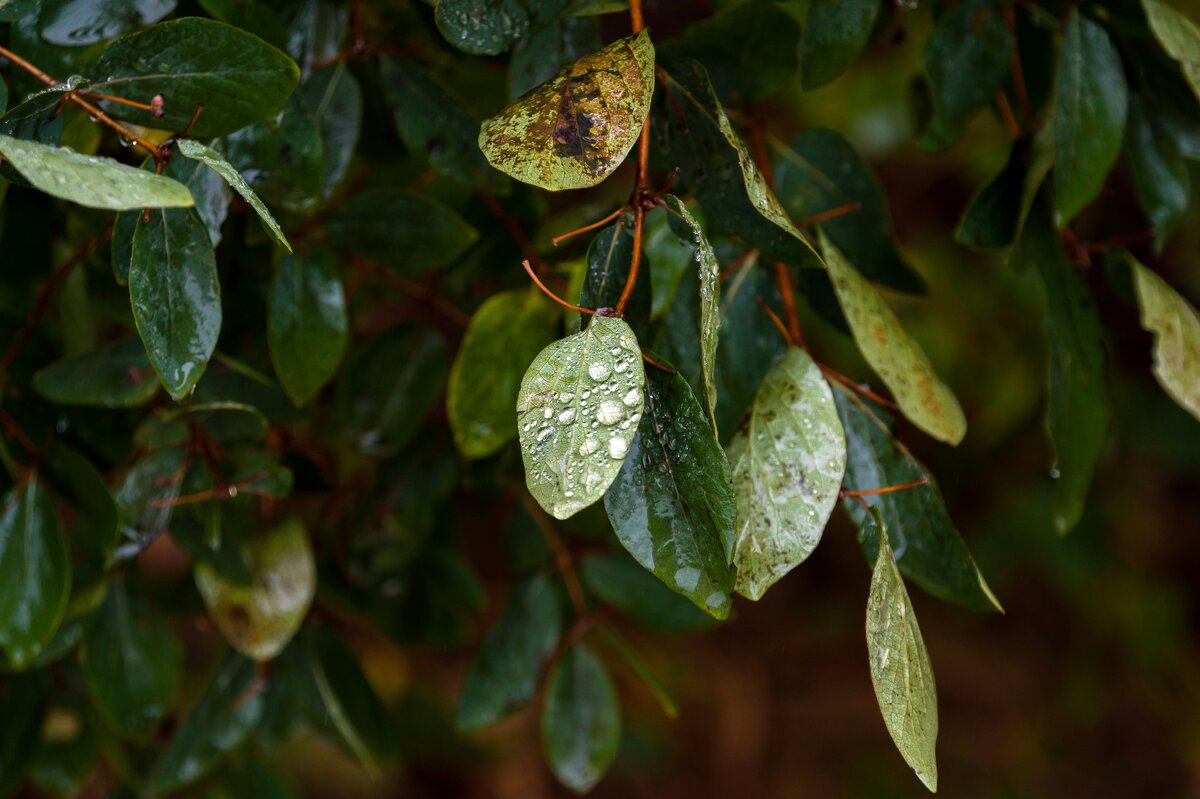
x,y
567,416
632,396
609,412
617,448
598,371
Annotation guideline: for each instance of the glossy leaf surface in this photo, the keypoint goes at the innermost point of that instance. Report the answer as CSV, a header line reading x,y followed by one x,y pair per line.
x,y
213,160
307,328
113,376
581,722
73,23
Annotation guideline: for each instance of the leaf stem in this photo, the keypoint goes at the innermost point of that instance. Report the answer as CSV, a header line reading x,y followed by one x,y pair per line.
x,y
551,294
513,228
850,384
832,213
784,278
870,492
601,223
562,557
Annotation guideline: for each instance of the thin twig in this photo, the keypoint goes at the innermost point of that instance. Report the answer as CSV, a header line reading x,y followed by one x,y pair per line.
x,y
1006,114
551,294
774,317
832,213
850,384
601,223
562,557
870,492
514,229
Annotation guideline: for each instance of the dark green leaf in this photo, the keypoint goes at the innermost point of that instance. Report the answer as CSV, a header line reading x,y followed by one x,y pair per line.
x,y
282,160
66,754
213,160
307,324
618,580
834,35
1160,173
314,31
334,101
12,10
993,218
114,376
548,48
483,27
643,671
77,480
72,23
670,258
21,716
609,259
756,41
581,722
145,496
1176,328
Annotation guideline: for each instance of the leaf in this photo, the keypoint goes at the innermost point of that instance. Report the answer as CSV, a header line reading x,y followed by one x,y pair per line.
x,y
505,334
616,579
482,27
1080,409
787,466
672,504
1179,36
670,258
575,129
549,47
113,376
81,485
67,748
505,671
581,722
72,23
1176,328
260,618
994,215
132,664
1090,104
896,358
1160,173
144,498
966,60
821,171
307,328
577,413
213,160
282,159
755,42
334,102
223,718
834,35
237,77
900,668
35,572
13,10
175,296
399,228
695,134
929,550
609,259
91,180
642,670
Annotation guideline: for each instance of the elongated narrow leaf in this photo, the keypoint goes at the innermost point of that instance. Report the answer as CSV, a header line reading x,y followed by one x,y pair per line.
x,y
504,674
834,34
1176,328
642,669
609,259
577,413
91,180
175,296
212,159
73,23
113,376
482,27
35,572
616,579
1160,172
307,329
929,550
1090,104
334,101
505,335
581,721
788,464
1179,36
260,618
575,129
900,668
282,159
895,357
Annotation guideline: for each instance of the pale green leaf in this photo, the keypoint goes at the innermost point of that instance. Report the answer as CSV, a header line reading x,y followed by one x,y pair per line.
x,y
1176,328
1179,36
212,159
581,721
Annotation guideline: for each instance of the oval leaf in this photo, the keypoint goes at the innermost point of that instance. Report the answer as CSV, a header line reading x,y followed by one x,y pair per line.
x,y
1179,36
609,259
74,23
581,722
114,376
213,160
482,27
1176,328
307,328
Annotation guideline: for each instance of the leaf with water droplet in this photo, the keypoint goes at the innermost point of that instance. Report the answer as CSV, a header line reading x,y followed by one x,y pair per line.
x,y
672,503
577,413
307,328
581,721
788,461
1176,328
112,376
190,148
576,128
900,668
616,579
74,23
609,259
896,358
482,27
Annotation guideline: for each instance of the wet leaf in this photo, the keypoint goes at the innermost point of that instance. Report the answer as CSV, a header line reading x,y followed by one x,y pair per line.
x,y
575,129
577,413
260,618
755,42
616,579
550,47
1160,173
334,102
642,670
670,258
900,668
672,504
144,498
896,358
1176,328
213,160
787,465
1090,102
91,180
282,160
35,572
175,296
80,484
609,259
505,335
505,671
993,218
834,35
581,722
482,27
73,23
307,328
114,376
1179,36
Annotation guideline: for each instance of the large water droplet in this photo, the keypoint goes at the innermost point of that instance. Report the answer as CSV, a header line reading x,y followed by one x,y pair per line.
x,y
617,448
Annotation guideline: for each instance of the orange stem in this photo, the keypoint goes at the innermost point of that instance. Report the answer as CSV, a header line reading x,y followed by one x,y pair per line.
x,y
551,294
869,492
850,384
555,241
789,303
774,317
832,213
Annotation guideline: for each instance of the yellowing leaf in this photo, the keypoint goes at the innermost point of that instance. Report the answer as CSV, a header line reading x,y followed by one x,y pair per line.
x,y
575,129
1179,36
1176,328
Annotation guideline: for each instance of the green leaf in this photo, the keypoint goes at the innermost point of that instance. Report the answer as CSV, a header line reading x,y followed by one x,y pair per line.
x,y
334,101
1080,409
145,495
13,10
577,413
575,129
237,77
993,218
399,228
834,35
1176,328
966,60
505,671
821,171
896,358
929,549
504,336
670,258
616,579
212,159
91,180
113,376
35,572
22,712
900,668
755,41
787,466
73,23
581,722
81,485
642,670
1179,36
1160,173
672,503
1090,104
67,748
695,134
223,718
548,48
260,618
482,27
609,259
307,328
132,665
175,296
282,159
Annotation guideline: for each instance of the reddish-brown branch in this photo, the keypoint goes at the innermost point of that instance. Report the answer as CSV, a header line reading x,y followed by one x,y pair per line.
x,y
1006,114
600,223
514,229
870,492
14,431
774,317
850,384
551,294
1123,240
636,21
832,213
737,263
639,220
789,303
562,557
671,101
414,290
658,365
